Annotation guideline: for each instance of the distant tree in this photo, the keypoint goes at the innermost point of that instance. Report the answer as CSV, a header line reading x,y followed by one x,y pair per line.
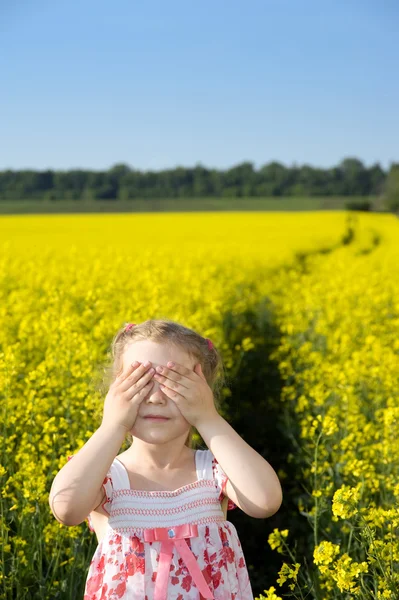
x,y
116,176
391,192
239,180
313,181
69,185
376,179
102,185
201,181
120,170
354,177
349,178
272,179
129,186
215,183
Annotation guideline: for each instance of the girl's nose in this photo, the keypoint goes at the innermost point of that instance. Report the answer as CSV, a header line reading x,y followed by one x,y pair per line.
x,y
156,394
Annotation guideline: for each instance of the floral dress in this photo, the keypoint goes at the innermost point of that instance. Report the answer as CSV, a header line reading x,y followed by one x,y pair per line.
x,y
168,545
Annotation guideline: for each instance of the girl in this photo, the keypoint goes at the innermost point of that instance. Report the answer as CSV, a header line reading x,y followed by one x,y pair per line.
x,y
156,508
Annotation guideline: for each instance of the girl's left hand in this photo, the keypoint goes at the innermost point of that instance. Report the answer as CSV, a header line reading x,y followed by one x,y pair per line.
x,y
189,390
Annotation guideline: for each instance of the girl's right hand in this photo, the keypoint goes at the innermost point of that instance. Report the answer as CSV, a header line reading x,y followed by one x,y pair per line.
x,y
125,395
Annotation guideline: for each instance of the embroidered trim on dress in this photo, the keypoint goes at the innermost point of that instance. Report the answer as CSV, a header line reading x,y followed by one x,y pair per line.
x,y
164,493
139,530
165,511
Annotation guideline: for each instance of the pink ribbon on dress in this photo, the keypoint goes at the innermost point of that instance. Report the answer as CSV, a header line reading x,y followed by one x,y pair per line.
x,y
169,536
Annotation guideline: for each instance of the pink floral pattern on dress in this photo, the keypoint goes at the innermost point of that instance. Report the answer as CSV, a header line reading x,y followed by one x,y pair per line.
x,y
122,574
125,567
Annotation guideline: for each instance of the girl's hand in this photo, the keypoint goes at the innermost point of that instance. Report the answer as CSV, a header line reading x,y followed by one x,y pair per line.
x,y
189,390
126,394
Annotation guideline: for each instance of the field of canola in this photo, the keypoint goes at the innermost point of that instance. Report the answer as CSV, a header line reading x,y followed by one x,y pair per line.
x,y
68,282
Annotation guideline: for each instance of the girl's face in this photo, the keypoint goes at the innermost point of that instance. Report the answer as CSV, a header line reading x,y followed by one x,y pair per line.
x,y
156,401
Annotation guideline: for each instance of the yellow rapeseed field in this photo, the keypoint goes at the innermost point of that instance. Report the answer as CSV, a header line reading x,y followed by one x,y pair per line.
x,y
68,282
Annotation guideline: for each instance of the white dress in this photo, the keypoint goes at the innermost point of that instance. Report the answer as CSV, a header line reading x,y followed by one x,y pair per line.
x,y
168,545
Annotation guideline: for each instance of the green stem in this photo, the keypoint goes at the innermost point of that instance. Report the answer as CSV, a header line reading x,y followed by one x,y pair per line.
x,y
366,526
391,550
2,549
292,557
350,538
315,532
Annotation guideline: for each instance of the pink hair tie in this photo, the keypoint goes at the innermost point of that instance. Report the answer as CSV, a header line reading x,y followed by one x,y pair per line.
x,y
210,345
129,326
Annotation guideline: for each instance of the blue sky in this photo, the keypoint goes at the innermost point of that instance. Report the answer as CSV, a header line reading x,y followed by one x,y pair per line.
x,y
156,84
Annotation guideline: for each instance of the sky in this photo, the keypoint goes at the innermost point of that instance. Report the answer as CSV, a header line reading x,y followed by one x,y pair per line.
x,y
157,84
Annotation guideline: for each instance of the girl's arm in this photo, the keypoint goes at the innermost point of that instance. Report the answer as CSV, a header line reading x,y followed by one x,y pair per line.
x,y
76,486
253,484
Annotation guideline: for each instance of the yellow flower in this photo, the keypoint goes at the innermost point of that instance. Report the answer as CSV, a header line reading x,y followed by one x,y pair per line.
x,y
275,539
329,426
324,553
345,501
332,299
345,573
270,595
287,572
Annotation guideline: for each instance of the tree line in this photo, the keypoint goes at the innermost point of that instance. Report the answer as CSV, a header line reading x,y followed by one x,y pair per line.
x,y
122,182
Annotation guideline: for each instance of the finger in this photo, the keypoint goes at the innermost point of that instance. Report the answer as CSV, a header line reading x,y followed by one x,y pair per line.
x,y
141,394
173,385
127,371
119,379
138,378
178,368
180,376
132,370
171,393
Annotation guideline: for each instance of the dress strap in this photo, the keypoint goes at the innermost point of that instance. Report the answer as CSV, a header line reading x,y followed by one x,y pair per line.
x,y
120,478
204,464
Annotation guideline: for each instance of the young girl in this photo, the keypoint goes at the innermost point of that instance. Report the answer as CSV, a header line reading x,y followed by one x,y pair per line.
x,y
156,508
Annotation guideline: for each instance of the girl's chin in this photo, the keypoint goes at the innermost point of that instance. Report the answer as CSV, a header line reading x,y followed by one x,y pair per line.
x,y
152,427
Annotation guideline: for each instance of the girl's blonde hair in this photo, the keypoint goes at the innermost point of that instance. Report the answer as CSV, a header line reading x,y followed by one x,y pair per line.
x,y
165,331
